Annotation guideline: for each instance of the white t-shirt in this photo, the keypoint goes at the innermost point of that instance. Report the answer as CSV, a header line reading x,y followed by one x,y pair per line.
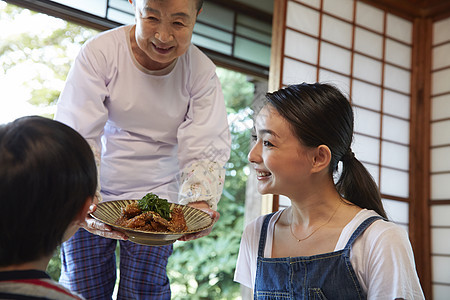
x,y
148,125
382,257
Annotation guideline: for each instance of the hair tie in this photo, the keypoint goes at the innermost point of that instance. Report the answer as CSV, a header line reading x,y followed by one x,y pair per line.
x,y
349,155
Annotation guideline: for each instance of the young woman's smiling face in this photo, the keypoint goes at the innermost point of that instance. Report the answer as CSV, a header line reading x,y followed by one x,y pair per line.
x,y
281,162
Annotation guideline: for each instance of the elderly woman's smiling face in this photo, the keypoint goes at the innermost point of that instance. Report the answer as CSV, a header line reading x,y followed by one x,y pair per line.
x,y
164,28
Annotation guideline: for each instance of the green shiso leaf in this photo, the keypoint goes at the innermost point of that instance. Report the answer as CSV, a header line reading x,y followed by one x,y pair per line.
x,y
152,202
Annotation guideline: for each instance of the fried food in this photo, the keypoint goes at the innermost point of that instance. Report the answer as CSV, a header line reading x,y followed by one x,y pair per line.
x,y
132,216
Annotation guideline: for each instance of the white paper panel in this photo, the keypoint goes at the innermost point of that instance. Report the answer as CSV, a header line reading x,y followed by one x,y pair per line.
x,y
440,292
367,69
396,211
341,8
366,149
440,160
339,81
440,82
369,16
301,46
336,31
399,28
335,58
367,122
366,95
296,72
395,156
313,3
398,54
441,269
396,104
441,32
368,43
394,183
397,79
440,186
440,215
440,107
302,18
440,238
395,130
441,57
440,133
374,172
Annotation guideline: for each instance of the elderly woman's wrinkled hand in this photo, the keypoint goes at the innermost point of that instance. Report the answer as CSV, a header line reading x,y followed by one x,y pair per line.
x,y
96,227
202,205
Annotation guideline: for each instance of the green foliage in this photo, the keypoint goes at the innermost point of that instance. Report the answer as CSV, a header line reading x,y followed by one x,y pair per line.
x,y
204,268
46,54
54,266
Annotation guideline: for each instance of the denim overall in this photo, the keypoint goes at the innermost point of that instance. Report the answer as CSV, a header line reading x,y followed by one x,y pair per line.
x,y
323,276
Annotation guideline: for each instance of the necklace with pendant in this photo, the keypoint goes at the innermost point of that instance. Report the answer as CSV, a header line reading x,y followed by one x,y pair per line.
x,y
315,230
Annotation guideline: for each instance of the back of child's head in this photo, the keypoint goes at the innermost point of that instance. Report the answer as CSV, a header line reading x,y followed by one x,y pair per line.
x,y
319,114
47,172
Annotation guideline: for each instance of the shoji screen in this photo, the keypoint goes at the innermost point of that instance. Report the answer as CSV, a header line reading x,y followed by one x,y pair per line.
x,y
440,160
366,52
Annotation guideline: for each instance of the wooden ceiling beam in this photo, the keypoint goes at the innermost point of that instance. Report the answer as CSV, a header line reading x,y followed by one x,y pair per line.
x,y
435,9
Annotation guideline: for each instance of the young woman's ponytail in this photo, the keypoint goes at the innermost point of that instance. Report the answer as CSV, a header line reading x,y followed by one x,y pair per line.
x,y
357,185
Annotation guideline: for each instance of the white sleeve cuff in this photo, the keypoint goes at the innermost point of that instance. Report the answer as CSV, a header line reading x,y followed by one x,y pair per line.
x,y
202,181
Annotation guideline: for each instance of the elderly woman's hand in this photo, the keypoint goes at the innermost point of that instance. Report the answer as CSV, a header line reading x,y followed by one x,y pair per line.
x,y
96,227
202,205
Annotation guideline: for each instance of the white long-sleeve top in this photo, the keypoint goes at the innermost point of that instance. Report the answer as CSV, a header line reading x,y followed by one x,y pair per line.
x,y
156,131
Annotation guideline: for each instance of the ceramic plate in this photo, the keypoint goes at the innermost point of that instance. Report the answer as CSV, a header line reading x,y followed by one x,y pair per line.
x,y
108,212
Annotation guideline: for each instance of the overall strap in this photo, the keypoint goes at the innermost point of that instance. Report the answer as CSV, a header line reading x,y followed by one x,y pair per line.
x,y
367,222
262,236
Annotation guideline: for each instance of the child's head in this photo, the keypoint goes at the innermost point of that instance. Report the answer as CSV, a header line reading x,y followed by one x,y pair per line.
x,y
47,177
319,114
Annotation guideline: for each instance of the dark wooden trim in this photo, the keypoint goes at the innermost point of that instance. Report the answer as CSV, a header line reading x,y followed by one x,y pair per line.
x,y
440,202
419,213
411,9
277,50
319,40
275,203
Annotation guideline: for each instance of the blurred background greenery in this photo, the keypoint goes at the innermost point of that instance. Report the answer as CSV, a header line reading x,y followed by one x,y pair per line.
x,y
200,269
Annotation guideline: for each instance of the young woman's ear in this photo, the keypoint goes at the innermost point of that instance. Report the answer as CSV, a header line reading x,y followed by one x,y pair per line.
x,y
321,158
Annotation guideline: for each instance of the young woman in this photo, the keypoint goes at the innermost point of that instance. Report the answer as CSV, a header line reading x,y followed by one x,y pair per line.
x,y
334,241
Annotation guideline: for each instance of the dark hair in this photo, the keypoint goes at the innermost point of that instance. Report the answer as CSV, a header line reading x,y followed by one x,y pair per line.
x,y
319,114
47,172
199,5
